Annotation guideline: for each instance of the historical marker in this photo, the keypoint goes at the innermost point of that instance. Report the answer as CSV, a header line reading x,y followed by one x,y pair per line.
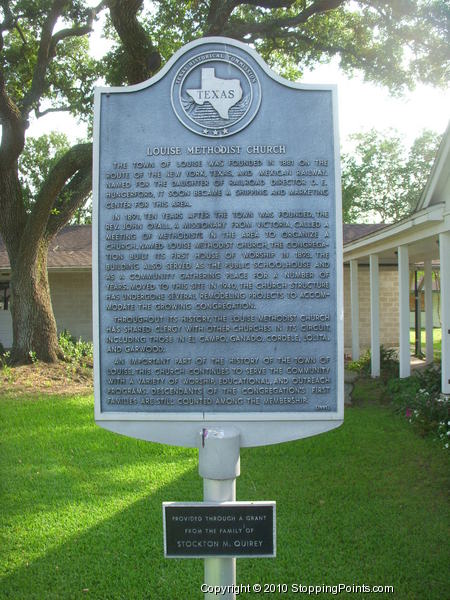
x,y
237,529
217,252
217,278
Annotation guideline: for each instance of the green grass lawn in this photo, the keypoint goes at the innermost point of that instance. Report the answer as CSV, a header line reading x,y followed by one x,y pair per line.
x,y
81,508
437,336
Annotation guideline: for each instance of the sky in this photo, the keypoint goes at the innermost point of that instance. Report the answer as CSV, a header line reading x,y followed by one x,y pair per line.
x,y
361,106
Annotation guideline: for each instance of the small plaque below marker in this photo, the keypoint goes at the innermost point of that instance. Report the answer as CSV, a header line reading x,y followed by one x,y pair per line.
x,y
205,529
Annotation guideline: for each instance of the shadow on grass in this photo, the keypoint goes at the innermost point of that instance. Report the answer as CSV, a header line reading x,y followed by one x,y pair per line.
x,y
119,558
362,504
60,458
82,506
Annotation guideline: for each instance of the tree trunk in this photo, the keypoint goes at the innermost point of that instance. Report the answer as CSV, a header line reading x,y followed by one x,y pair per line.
x,y
26,236
34,326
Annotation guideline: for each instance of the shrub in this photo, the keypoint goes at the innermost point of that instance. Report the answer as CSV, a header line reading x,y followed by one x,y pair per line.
x,y
388,363
419,398
4,358
75,351
401,392
362,365
430,378
430,414
5,370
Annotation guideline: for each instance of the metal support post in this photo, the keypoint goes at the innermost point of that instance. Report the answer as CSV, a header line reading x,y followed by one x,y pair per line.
x,y
374,316
429,311
219,465
354,307
444,255
417,315
403,288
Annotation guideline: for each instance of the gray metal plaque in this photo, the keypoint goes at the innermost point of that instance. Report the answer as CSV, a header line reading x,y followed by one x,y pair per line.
x,y
217,250
202,529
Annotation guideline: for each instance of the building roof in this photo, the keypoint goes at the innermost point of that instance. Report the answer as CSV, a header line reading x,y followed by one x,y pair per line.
x,y
72,247
437,188
355,231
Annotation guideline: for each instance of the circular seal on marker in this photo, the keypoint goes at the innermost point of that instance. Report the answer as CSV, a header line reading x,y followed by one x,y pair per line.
x,y
216,94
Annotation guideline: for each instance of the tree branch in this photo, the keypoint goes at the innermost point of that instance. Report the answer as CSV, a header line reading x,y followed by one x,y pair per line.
x,y
62,34
77,158
266,3
22,37
219,15
69,200
47,48
9,21
54,109
43,59
12,211
13,130
79,30
330,49
13,126
143,58
239,29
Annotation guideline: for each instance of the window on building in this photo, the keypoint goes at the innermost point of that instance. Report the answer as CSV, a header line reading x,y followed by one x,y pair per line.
x,y
4,295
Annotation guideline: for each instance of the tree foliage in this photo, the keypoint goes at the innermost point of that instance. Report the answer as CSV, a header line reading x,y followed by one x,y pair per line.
x,y
39,156
381,179
392,43
45,67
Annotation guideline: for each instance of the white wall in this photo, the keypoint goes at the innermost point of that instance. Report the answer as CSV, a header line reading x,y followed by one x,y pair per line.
x,y
72,302
5,328
71,293
389,320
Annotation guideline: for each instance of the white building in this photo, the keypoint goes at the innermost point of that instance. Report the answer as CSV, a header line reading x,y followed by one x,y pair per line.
x,y
421,239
